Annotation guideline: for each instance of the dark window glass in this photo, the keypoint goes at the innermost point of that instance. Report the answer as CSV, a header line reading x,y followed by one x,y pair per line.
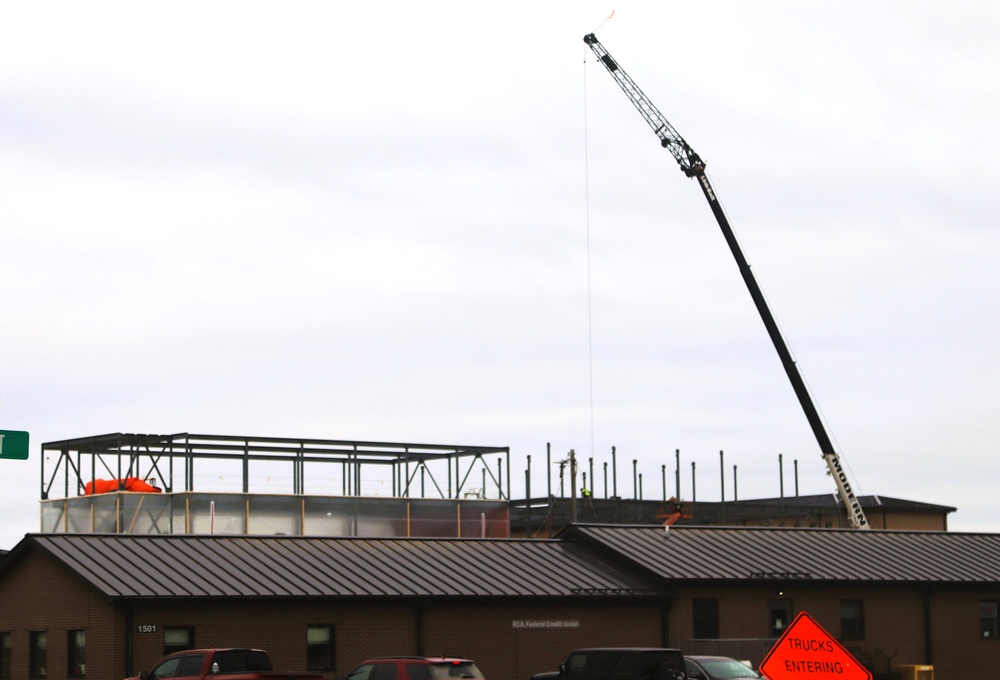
x,y
590,664
384,671
240,661
362,672
167,669
319,649
37,654
6,651
190,665
419,671
852,620
706,618
989,612
651,666
177,639
779,614
76,649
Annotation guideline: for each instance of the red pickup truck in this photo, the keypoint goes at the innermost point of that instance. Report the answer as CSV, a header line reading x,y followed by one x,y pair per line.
x,y
228,664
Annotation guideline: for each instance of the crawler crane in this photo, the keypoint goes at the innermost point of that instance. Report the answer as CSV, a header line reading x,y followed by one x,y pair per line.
x,y
693,166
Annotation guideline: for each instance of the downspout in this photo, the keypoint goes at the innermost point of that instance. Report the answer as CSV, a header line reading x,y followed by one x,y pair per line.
x,y
668,603
928,638
129,621
421,608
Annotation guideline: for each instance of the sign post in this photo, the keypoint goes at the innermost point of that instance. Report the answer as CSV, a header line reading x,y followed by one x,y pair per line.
x,y
13,444
806,651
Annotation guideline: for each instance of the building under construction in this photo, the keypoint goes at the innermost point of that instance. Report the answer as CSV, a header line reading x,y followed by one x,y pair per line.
x,y
146,484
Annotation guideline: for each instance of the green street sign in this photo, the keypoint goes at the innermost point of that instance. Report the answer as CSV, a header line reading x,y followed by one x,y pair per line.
x,y
13,444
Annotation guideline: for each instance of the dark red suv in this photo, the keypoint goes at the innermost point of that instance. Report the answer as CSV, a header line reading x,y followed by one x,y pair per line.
x,y
416,668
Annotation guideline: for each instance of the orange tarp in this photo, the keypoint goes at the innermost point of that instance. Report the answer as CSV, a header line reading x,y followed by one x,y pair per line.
x,y
128,484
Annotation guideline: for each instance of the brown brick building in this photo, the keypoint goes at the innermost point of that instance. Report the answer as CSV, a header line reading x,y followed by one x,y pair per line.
x,y
105,606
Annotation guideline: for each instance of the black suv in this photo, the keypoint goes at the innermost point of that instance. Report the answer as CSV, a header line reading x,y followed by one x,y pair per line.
x,y
620,663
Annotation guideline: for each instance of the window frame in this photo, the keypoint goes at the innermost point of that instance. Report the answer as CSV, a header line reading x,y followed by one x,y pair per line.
x,y
38,645
170,649
76,654
6,653
784,606
705,618
852,628
327,648
989,626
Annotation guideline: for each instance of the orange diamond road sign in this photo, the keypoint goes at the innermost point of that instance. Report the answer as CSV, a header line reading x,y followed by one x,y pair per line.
x,y
805,650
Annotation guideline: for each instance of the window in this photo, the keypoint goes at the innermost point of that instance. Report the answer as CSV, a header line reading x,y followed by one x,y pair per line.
x,y
177,639
167,669
779,615
319,648
706,618
988,623
190,665
240,661
419,671
590,664
361,672
384,671
597,664
852,620
37,646
76,648
6,645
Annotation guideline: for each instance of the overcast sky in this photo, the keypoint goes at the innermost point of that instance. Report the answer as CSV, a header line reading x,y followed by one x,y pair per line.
x,y
444,223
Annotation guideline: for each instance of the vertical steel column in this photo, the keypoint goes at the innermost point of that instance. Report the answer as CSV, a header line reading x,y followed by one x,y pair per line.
x,y
246,466
527,495
614,473
548,468
677,473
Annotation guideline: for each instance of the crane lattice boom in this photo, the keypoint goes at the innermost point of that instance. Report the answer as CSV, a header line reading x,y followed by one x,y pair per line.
x,y
692,166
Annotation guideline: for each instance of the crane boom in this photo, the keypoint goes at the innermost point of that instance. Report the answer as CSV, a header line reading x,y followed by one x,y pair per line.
x,y
693,166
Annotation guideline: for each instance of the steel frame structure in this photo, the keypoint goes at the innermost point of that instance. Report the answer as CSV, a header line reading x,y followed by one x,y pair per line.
x,y
147,456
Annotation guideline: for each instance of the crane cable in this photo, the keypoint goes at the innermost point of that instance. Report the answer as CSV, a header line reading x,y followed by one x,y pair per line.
x,y
590,312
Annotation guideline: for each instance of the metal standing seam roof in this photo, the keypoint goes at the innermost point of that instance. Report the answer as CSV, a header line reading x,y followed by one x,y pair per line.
x,y
834,502
290,566
834,555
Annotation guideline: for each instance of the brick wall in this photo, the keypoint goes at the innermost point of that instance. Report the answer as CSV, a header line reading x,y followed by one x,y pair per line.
x,y
959,651
893,618
515,641
509,639
36,594
485,632
280,628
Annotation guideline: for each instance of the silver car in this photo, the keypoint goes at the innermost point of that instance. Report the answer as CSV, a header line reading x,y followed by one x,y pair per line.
x,y
717,668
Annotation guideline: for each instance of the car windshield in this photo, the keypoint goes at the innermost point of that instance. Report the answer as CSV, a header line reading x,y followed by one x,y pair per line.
x,y
728,668
456,669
